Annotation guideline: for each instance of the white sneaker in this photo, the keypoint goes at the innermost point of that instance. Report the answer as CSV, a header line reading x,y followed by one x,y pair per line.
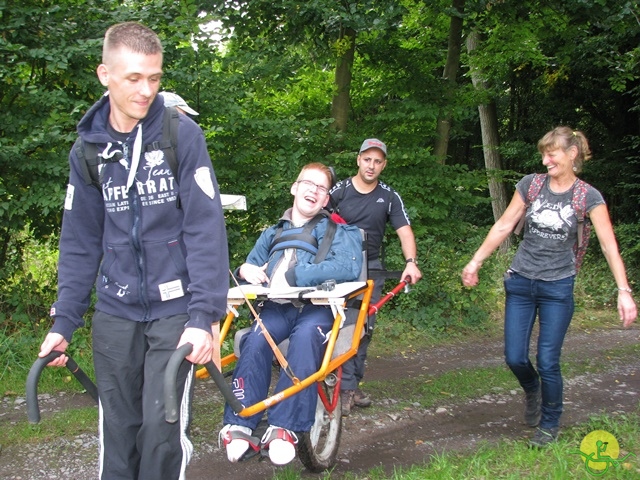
x,y
280,444
236,439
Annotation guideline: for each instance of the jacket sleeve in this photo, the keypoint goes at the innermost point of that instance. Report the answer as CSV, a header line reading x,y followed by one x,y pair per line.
x,y
342,264
80,251
259,254
204,231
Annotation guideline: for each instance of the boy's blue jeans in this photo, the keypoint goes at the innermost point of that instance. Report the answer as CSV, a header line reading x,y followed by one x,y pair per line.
x,y
552,302
307,330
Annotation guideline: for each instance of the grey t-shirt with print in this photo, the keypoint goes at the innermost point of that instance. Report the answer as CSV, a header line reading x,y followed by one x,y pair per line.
x,y
550,232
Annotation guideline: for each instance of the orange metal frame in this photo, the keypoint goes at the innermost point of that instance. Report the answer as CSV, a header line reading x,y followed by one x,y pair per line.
x,y
328,364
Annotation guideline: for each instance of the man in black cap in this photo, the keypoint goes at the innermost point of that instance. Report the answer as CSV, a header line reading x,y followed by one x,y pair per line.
x,y
365,201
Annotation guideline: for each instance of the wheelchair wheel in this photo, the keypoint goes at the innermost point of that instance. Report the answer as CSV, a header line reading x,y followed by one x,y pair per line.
x,y
318,448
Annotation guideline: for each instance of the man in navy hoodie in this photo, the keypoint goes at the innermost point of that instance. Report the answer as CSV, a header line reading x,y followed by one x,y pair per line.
x,y
157,246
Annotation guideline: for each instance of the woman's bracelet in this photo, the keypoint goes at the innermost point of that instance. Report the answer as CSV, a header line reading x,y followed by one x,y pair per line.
x,y
628,290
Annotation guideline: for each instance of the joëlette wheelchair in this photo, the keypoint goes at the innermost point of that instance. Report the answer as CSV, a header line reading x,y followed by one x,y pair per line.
x,y
318,448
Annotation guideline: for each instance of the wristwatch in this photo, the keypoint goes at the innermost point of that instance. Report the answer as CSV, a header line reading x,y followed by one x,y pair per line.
x,y
411,260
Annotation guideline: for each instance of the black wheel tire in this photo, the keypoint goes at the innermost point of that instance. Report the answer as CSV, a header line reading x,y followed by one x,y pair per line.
x,y
318,448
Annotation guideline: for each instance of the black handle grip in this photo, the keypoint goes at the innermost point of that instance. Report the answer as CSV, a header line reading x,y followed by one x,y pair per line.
x,y
33,410
224,387
170,384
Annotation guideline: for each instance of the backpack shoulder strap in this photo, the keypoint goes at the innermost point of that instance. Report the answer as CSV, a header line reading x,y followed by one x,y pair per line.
x,y
169,141
579,204
535,186
170,131
579,200
87,154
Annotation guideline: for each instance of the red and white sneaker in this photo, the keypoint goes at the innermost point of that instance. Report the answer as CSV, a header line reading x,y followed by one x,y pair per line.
x,y
280,443
237,441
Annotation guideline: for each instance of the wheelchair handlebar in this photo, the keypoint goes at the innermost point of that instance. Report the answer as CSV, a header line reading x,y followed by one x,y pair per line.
x,y
373,309
170,383
33,410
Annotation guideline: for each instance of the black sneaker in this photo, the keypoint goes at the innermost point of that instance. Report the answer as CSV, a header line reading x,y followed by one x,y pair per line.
x,y
544,437
532,404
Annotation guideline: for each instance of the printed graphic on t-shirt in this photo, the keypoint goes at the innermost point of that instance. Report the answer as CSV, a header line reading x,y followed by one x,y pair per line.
x,y
550,220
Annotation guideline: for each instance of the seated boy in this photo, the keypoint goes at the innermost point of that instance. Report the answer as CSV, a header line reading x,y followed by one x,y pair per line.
x,y
289,262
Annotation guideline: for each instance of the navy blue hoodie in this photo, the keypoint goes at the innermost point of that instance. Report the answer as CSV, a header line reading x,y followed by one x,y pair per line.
x,y
148,258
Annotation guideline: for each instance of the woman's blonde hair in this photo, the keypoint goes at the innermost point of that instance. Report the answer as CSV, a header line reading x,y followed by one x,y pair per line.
x,y
565,138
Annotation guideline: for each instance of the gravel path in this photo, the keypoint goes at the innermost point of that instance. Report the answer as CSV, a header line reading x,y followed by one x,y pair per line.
x,y
371,437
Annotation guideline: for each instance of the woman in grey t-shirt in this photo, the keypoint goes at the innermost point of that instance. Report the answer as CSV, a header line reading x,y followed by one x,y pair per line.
x,y
541,277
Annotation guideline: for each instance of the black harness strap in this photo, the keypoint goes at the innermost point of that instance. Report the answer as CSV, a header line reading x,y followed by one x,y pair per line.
x,y
327,240
302,238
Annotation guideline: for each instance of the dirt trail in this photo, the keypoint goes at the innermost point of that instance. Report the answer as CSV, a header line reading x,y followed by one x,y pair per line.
x,y
381,436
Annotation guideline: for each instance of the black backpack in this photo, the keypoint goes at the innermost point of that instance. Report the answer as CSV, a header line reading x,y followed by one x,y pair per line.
x,y
87,153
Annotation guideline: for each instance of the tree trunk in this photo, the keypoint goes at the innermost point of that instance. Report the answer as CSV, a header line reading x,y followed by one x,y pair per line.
x,y
449,76
340,105
490,141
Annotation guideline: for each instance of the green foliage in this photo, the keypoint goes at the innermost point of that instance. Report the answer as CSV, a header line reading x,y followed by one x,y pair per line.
x,y
264,90
31,289
595,285
439,303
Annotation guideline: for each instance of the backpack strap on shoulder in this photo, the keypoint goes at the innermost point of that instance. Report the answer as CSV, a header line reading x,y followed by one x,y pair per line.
x,y
90,162
169,141
579,204
87,154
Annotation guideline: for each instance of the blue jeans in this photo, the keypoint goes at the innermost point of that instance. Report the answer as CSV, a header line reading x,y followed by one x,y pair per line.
x,y
307,330
553,303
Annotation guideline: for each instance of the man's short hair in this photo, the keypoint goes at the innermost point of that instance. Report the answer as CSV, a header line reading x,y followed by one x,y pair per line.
x,y
318,166
132,35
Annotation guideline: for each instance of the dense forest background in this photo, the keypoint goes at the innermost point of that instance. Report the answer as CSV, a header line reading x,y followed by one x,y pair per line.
x,y
459,90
